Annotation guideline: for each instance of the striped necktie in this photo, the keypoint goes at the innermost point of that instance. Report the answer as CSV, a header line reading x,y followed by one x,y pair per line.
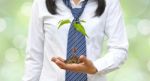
x,y
75,40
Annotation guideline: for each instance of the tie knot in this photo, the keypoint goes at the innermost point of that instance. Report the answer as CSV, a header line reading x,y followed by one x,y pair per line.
x,y
76,12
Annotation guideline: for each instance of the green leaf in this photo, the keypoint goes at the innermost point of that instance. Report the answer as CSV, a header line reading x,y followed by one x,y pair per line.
x,y
80,28
62,22
83,21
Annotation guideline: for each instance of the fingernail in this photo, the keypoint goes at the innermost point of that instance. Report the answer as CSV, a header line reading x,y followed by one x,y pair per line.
x,y
53,59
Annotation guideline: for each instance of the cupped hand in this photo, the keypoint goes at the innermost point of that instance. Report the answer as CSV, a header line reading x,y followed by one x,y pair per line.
x,y
85,65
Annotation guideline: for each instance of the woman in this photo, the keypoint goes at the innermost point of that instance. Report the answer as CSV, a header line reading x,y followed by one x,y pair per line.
x,y
50,46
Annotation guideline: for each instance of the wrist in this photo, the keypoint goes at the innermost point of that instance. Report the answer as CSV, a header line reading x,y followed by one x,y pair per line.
x,y
93,71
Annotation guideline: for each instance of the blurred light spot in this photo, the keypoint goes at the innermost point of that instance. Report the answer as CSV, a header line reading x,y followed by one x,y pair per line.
x,y
130,74
132,31
148,65
11,55
10,71
19,41
133,9
149,41
4,71
26,9
3,24
144,27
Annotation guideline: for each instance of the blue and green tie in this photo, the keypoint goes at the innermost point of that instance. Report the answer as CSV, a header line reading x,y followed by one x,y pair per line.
x,y
75,40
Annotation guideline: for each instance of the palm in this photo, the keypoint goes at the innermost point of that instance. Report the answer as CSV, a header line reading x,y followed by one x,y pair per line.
x,y
85,65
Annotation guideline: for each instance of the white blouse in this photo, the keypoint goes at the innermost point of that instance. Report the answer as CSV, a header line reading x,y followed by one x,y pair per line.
x,y
45,40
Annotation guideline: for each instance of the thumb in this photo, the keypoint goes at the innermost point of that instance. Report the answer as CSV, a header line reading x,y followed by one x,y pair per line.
x,y
83,59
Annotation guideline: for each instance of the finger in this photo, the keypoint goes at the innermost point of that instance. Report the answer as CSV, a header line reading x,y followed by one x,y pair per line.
x,y
61,59
53,59
71,67
75,67
61,64
83,59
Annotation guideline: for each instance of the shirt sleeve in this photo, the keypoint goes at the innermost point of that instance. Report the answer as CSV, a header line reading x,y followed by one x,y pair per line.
x,y
35,46
117,40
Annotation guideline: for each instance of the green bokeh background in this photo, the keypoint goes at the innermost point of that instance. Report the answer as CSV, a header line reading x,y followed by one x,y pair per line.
x,y
14,18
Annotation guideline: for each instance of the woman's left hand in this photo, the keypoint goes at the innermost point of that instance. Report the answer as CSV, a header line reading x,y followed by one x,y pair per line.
x,y
85,65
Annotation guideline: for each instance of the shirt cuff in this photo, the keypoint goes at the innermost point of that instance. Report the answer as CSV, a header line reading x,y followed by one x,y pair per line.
x,y
103,64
